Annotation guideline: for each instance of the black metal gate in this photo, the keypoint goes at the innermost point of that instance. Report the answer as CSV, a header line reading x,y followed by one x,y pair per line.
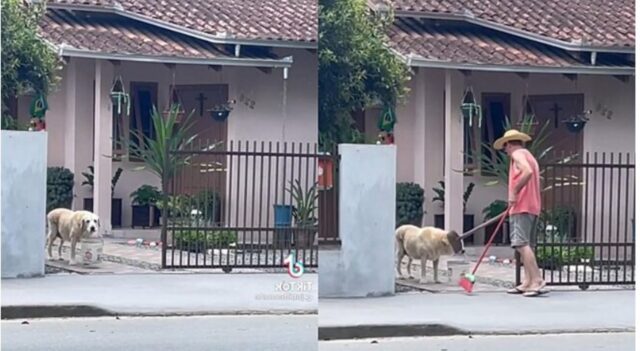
x,y
586,231
248,205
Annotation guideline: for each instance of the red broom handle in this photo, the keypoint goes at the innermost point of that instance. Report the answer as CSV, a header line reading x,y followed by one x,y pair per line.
x,y
486,247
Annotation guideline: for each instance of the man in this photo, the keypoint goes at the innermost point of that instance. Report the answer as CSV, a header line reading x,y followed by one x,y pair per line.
x,y
525,204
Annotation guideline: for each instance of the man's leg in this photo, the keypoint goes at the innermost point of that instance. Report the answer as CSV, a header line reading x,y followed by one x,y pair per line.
x,y
535,281
517,241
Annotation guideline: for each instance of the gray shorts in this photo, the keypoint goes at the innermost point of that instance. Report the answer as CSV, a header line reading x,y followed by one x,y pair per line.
x,y
523,229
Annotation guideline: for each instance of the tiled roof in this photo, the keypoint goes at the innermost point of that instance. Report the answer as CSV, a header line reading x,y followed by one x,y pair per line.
x,y
470,44
593,23
279,20
112,34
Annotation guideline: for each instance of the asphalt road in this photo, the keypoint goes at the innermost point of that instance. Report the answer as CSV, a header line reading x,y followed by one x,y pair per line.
x,y
565,342
163,333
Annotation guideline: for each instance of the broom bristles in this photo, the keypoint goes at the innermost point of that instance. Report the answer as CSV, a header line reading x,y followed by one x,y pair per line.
x,y
466,284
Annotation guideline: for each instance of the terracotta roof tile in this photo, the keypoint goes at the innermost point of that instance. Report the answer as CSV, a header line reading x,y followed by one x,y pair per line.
x,y
112,34
601,23
281,20
470,44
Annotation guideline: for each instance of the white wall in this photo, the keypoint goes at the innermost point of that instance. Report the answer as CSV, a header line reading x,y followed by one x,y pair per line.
x,y
24,197
363,265
262,123
600,134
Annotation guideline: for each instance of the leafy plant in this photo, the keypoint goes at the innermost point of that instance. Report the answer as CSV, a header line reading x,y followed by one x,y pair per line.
x,y
356,68
305,207
465,196
561,219
29,64
208,203
409,204
538,146
199,240
89,176
552,257
59,188
146,195
494,209
178,206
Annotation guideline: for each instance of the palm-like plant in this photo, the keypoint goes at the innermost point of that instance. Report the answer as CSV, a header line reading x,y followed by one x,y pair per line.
x,y
539,148
305,207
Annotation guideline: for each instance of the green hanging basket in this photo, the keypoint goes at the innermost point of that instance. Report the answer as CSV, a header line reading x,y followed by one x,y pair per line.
x,y
387,119
469,108
39,106
119,97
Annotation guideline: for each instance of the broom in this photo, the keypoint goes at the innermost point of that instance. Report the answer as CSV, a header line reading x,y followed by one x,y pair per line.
x,y
467,280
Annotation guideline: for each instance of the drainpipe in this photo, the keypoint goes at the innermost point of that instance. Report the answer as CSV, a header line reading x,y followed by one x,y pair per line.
x,y
594,56
237,50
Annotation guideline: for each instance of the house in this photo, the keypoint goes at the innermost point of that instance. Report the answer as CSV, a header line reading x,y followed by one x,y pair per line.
x,y
550,59
261,55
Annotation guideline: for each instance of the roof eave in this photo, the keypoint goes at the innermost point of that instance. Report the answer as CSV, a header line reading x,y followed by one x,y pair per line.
x,y
416,61
186,31
221,61
514,31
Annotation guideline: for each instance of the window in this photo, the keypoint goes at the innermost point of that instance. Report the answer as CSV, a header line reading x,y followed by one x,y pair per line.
x,y
126,129
495,110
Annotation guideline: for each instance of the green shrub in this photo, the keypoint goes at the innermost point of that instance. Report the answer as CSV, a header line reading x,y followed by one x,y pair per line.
x,y
59,188
146,195
208,202
556,256
200,239
409,204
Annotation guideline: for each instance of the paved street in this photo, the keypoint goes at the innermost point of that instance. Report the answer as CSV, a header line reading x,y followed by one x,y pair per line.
x,y
565,342
168,333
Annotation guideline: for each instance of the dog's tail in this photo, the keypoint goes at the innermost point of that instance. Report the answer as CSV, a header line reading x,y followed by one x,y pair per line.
x,y
400,232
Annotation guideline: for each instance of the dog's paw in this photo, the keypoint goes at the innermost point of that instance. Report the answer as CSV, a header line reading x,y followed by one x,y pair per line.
x,y
73,263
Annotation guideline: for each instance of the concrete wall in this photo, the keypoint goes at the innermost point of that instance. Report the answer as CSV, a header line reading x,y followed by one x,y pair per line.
x,y
24,192
420,127
364,264
282,110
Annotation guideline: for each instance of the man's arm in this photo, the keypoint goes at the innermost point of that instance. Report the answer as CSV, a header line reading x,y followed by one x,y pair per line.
x,y
523,166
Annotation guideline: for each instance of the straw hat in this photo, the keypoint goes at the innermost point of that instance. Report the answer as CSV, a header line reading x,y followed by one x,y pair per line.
x,y
510,135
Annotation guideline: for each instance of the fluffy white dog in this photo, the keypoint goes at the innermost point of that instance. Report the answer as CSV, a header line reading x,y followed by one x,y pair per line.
x,y
70,226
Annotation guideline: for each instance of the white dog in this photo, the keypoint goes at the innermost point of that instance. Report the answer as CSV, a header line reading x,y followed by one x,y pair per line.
x,y
70,226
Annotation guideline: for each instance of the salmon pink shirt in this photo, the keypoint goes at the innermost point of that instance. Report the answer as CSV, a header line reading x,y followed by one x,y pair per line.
x,y
528,200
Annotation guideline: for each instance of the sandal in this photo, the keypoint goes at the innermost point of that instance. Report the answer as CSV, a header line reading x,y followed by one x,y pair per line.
x,y
534,293
515,291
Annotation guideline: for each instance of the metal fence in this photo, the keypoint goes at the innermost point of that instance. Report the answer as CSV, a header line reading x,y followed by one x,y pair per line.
x,y
245,205
586,234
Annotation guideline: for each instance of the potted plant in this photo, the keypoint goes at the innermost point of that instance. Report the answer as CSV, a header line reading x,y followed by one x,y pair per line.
x,y
304,214
178,208
200,241
144,212
494,209
116,203
409,204
209,204
468,219
220,112
119,97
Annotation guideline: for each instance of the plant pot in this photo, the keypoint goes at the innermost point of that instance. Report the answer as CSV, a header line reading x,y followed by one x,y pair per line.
x,y
220,115
145,216
116,210
468,224
304,238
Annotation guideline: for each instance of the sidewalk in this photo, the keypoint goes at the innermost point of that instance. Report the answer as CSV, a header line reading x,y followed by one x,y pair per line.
x,y
419,314
158,294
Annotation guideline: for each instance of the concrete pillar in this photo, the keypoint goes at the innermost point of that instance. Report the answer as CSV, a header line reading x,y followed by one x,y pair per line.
x,y
102,144
454,149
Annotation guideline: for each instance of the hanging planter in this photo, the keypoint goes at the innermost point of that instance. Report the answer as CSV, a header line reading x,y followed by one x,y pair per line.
x,y
221,112
575,124
39,106
119,97
469,108
387,119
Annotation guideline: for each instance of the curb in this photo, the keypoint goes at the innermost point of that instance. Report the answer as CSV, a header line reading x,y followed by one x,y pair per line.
x,y
74,311
429,330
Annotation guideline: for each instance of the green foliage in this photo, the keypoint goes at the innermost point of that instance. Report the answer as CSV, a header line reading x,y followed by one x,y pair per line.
x,y
146,195
198,240
208,202
356,68
89,176
28,63
562,218
59,188
178,206
465,196
305,207
553,257
494,209
538,146
409,204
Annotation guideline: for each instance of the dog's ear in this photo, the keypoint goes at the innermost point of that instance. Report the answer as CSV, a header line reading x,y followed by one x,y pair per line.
x,y
80,224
